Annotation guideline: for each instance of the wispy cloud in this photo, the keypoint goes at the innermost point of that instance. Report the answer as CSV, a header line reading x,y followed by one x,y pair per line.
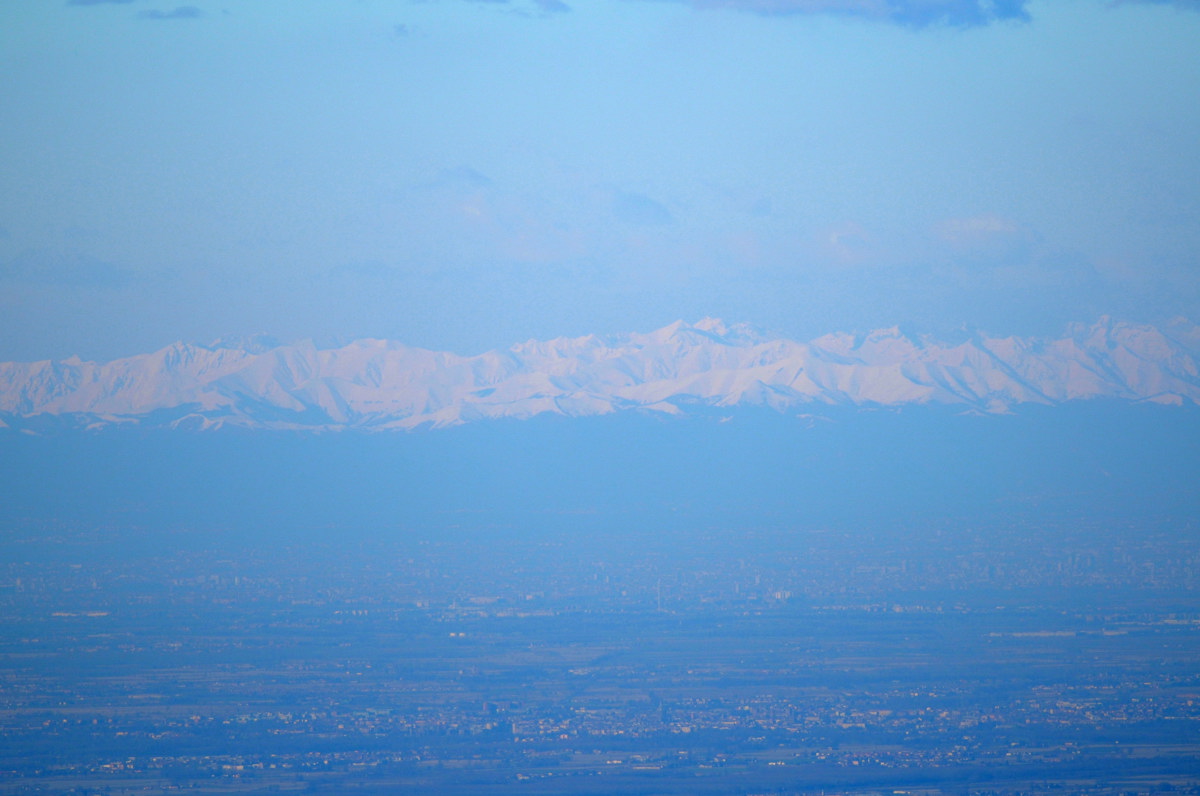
x,y
847,243
989,242
1186,5
64,270
527,8
983,231
462,177
911,13
640,210
182,12
364,270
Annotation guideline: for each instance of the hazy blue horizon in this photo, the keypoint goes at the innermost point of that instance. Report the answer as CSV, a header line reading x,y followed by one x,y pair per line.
x,y
462,175
694,562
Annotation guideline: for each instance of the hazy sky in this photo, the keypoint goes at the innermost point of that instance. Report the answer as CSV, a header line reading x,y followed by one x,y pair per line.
x,y
465,175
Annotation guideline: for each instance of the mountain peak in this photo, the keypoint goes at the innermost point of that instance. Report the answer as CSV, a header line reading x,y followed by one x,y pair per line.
x,y
710,329
378,384
1185,333
251,344
710,324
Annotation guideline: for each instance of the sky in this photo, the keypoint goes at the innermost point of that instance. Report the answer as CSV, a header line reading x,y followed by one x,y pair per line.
x,y
468,174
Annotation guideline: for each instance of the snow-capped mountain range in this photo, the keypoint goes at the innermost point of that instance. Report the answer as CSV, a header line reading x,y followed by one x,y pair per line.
x,y
379,384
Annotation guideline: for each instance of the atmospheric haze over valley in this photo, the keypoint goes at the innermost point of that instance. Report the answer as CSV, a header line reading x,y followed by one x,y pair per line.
x,y
704,559
908,502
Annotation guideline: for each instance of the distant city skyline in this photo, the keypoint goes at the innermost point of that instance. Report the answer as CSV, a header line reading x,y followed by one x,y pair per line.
x,y
462,175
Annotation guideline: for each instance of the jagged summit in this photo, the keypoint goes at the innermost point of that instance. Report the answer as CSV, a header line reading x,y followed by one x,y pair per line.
x,y
251,344
380,384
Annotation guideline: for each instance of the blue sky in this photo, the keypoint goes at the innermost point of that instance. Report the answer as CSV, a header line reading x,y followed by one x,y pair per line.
x,y
465,175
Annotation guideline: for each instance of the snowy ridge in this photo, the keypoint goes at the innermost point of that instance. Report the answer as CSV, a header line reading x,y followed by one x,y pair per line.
x,y
379,384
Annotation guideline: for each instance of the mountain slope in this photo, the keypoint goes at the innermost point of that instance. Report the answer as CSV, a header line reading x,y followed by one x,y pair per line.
x,y
378,384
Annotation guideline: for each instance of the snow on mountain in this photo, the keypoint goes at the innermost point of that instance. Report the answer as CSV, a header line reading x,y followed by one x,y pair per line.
x,y
379,384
